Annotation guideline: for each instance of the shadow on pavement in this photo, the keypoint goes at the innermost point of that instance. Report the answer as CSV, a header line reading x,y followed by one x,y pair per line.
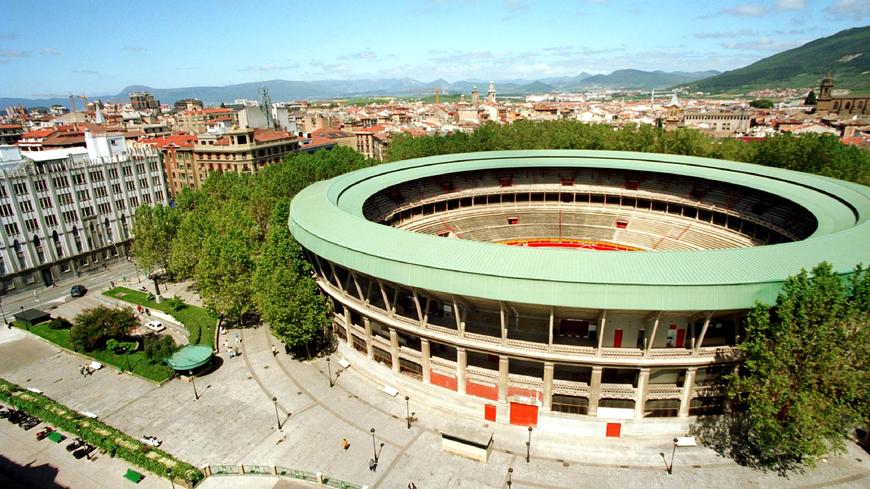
x,y
14,476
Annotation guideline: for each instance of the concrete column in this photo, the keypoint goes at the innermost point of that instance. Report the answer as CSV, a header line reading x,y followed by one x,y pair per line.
x,y
503,319
686,395
594,391
703,333
601,322
424,360
652,337
642,391
347,321
548,386
502,378
461,362
368,326
550,336
394,348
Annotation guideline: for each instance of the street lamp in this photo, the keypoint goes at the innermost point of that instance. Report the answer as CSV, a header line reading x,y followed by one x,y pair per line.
x,y
510,476
529,444
169,476
408,411
673,453
374,448
193,382
329,371
277,417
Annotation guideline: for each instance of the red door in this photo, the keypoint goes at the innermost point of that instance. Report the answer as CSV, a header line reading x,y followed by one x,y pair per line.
x,y
489,412
617,338
681,337
613,430
524,414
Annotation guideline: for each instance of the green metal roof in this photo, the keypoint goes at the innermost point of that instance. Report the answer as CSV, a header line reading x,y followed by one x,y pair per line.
x,y
327,219
190,357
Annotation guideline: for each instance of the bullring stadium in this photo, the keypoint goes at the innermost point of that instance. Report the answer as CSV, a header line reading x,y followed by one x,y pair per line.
x,y
547,288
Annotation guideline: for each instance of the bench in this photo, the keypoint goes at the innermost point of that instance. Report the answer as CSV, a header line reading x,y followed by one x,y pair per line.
x,y
133,476
477,450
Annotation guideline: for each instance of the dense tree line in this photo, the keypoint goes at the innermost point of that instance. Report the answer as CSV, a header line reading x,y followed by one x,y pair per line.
x,y
811,153
231,238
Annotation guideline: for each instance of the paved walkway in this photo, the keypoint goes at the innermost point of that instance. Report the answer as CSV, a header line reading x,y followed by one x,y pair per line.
x,y
234,421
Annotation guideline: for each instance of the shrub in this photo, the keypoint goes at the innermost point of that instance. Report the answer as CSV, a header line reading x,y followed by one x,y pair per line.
x,y
120,347
93,327
175,304
59,323
156,349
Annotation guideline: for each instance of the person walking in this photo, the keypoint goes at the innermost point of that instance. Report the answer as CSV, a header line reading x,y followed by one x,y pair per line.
x,y
345,444
372,465
274,351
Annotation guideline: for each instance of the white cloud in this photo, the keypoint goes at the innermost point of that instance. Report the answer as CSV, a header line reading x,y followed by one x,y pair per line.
x,y
271,67
14,53
49,51
746,10
850,9
763,44
791,4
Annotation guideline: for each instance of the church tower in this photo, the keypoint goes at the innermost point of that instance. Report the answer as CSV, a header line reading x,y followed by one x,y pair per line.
x,y
824,102
490,94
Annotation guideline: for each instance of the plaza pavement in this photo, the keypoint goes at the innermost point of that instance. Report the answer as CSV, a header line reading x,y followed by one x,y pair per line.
x,y
234,422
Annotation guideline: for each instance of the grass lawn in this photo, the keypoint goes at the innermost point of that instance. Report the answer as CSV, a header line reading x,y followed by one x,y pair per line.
x,y
197,320
136,361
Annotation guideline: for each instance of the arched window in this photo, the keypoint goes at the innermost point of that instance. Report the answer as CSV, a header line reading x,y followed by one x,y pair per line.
x,y
847,106
125,233
836,105
77,239
19,253
37,245
58,247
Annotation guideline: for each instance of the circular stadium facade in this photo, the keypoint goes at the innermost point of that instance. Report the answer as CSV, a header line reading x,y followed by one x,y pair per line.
x,y
560,285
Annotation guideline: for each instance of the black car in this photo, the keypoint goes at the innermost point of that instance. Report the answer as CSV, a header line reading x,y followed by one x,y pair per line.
x,y
78,290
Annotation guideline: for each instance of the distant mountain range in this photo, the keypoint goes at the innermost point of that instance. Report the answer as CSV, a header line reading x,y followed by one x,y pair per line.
x,y
846,54
282,90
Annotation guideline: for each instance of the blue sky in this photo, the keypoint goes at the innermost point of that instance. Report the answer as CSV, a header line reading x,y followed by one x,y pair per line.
x,y
53,48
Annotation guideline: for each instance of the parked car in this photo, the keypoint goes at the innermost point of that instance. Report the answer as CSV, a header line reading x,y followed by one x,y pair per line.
x,y
155,326
84,450
45,432
78,290
75,445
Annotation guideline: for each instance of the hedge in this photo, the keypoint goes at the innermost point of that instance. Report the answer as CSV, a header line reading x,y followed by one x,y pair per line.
x,y
99,434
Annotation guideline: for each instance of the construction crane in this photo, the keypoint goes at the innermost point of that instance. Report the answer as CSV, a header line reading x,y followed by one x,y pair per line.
x,y
267,107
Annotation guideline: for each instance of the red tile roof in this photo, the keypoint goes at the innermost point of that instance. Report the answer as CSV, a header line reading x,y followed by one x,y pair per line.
x,y
38,133
266,135
179,140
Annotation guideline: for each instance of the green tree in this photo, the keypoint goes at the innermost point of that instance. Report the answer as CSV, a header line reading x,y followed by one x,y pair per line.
x,y
805,381
93,327
761,103
154,229
286,295
811,98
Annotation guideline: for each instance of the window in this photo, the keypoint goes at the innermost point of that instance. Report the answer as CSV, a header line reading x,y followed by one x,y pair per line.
x,y
120,204
51,219
45,202
11,228
87,211
513,220
113,173
40,185
20,188
6,210
84,195
570,404
61,182
134,201
69,216
78,179
65,199
116,188
131,186
100,191
31,225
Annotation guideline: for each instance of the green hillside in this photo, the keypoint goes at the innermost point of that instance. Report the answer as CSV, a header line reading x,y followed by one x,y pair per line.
x,y
846,54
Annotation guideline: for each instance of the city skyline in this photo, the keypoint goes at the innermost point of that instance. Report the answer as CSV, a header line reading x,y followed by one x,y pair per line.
x,y
210,43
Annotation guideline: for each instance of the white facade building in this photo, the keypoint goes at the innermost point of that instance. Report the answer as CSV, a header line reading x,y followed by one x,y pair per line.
x,y
65,211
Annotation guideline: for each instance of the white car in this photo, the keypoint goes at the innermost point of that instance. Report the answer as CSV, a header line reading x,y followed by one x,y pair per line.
x,y
155,326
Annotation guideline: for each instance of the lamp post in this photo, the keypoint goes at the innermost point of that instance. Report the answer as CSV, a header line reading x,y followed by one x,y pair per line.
x,y
169,476
277,417
193,382
529,445
510,476
408,411
673,453
329,371
374,448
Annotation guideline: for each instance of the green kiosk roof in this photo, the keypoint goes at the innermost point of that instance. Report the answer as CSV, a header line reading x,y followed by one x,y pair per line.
x,y
190,357
327,219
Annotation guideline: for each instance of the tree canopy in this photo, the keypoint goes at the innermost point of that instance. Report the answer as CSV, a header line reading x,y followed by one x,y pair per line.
x,y
805,381
762,103
92,328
